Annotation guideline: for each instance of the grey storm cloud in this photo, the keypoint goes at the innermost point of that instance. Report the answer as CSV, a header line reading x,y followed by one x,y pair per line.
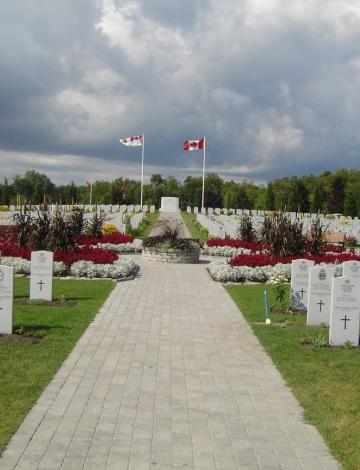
x,y
273,85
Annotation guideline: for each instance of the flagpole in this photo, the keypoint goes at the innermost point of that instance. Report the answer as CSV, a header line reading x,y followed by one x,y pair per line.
x,y
142,170
90,193
203,185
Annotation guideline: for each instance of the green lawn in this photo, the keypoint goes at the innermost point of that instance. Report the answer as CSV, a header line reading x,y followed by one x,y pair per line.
x,y
194,227
146,225
325,380
27,366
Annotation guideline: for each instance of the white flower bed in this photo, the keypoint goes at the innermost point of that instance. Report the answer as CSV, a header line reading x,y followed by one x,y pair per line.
x,y
222,272
226,251
22,266
122,268
134,247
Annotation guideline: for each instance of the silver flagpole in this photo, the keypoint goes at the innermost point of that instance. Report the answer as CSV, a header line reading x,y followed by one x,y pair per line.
x,y
142,170
203,186
91,183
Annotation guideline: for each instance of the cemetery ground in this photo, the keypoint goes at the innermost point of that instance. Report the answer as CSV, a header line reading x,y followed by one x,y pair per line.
x,y
45,333
325,380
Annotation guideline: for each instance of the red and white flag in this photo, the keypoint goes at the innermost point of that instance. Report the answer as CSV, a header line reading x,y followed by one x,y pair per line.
x,y
134,141
190,145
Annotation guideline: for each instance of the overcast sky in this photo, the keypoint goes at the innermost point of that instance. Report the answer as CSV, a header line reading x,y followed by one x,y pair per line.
x,y
274,85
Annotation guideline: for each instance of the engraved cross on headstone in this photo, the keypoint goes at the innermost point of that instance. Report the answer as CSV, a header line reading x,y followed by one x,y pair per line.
x,y
345,319
320,304
302,292
41,283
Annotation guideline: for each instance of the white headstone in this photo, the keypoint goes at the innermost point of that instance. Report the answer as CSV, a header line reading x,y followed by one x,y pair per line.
x,y
351,268
41,276
145,208
6,299
210,210
319,295
356,231
137,208
217,211
152,209
196,210
299,284
169,204
344,316
188,209
203,211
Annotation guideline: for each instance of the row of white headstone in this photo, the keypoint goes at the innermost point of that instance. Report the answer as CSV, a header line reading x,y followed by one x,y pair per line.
x,y
41,280
329,300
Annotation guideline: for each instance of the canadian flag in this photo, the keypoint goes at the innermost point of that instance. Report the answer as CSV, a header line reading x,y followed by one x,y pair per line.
x,y
190,145
134,141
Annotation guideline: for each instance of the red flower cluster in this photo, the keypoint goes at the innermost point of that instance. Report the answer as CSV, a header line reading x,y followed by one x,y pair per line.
x,y
86,253
83,253
270,260
253,246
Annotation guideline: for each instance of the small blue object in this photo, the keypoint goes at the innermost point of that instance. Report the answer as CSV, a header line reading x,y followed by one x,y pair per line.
x,y
267,310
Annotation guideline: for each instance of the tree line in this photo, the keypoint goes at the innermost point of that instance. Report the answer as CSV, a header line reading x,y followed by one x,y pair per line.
x,y
330,192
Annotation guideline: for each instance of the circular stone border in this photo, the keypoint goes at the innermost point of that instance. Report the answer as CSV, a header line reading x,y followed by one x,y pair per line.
x,y
171,255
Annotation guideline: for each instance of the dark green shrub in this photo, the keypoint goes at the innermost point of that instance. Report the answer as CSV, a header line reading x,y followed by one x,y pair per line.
x,y
76,222
246,231
23,223
95,225
40,230
59,238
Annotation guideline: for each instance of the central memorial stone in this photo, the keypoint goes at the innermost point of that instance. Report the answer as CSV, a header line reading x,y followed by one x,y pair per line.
x,y
169,204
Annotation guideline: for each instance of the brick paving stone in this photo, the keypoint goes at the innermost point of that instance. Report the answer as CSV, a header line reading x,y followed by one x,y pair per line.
x,y
168,376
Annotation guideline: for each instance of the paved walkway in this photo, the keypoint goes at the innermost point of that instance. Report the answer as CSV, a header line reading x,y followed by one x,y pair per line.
x,y
168,376
184,231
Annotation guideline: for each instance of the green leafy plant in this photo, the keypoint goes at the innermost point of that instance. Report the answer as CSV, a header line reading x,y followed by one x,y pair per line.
x,y
279,288
319,340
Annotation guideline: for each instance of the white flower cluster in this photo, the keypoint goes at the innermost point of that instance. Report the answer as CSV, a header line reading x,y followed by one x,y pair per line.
x,y
277,279
122,268
223,272
226,251
133,247
22,266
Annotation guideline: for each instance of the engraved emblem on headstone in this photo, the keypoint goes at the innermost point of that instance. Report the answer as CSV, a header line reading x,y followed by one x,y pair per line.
x,y
322,275
1,275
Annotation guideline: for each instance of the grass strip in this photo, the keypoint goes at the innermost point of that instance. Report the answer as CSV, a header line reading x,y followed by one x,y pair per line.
x,y
146,225
325,380
47,334
195,229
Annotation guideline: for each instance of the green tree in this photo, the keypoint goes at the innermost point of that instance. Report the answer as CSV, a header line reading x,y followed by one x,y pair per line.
x,y
270,198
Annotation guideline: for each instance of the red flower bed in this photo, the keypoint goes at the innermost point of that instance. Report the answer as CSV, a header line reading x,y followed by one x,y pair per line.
x,y
253,260
253,246
96,255
84,253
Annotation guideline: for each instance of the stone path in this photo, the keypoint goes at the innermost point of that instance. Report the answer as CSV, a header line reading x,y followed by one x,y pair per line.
x,y
184,232
168,376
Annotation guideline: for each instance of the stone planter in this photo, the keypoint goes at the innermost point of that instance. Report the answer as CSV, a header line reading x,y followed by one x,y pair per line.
x,y
171,255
